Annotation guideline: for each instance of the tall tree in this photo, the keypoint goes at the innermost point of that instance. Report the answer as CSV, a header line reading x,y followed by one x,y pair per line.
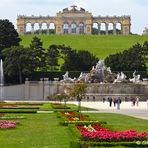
x,y
86,60
39,53
52,57
8,35
19,61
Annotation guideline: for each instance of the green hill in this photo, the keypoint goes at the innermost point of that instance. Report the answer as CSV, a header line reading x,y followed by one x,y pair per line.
x,y
101,46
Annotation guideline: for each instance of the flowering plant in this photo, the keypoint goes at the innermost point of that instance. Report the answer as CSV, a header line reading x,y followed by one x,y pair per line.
x,y
98,133
7,124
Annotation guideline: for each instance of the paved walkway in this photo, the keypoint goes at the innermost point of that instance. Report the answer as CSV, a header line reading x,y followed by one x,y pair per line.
x,y
126,108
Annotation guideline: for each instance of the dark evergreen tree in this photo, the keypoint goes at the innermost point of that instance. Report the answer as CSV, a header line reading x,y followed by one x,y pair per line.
x,y
129,60
52,57
86,60
8,35
39,53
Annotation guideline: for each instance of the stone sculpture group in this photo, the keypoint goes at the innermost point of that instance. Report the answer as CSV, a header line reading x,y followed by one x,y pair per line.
x,y
101,74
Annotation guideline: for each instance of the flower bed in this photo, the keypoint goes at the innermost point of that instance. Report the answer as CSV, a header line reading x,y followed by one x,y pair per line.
x,y
73,116
98,133
7,124
59,106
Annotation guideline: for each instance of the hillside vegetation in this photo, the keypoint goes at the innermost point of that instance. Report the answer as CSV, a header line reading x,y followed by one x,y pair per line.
x,y
101,46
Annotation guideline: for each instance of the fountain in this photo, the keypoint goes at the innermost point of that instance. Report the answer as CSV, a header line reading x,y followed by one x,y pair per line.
x,y
1,79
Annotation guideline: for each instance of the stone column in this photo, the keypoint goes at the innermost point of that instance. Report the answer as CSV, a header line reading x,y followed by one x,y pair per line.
x,y
114,29
106,28
32,30
40,28
99,29
48,29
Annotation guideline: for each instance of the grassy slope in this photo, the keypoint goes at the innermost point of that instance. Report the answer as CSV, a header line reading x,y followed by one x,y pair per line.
x,y
101,46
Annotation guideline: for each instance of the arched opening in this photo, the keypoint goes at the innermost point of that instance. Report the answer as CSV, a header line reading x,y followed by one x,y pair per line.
x,y
73,28
95,28
118,28
103,29
81,28
110,28
51,28
65,28
44,28
28,28
36,28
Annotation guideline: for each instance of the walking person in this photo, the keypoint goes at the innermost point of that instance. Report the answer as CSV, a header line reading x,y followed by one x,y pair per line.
x,y
137,101
110,101
118,103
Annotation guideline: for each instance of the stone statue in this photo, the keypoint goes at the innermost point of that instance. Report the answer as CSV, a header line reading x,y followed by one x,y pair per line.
x,y
82,76
121,77
136,78
66,78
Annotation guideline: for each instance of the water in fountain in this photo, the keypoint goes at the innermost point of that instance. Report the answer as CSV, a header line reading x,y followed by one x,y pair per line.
x,y
1,79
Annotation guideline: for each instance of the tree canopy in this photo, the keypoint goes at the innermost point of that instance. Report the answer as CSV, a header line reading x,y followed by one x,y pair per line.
x,y
129,60
8,35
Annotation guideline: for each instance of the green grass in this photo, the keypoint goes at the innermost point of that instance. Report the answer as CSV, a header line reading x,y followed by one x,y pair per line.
x,y
44,130
73,107
36,131
101,46
121,122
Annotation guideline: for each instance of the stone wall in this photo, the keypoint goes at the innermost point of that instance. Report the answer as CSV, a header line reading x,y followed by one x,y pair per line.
x,y
39,90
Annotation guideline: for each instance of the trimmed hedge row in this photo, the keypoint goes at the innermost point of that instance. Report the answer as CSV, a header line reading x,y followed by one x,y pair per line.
x,y
83,144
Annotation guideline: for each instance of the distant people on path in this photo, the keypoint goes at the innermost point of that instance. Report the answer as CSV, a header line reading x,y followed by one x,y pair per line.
x,y
137,101
115,102
133,101
103,100
87,98
118,103
110,100
94,98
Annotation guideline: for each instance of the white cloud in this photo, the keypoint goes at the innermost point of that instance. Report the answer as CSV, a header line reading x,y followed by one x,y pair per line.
x,y
9,9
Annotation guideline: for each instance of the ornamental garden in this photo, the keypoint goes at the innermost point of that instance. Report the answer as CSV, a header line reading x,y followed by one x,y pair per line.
x,y
33,124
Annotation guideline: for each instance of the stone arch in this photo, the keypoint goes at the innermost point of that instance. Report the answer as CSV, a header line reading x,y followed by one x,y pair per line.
x,y
73,28
36,27
65,28
103,28
52,28
81,28
28,28
119,28
95,28
110,28
44,27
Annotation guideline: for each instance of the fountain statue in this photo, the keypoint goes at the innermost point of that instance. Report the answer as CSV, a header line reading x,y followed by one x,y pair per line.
x,y
121,77
66,78
136,78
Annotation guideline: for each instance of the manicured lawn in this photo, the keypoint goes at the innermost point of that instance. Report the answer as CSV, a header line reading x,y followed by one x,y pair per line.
x,y
44,130
101,46
121,122
73,107
36,131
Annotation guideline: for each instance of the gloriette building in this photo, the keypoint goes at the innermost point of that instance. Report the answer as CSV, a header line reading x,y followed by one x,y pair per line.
x,y
74,21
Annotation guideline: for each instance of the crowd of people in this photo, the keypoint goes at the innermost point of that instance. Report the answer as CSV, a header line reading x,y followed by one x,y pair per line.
x,y
116,101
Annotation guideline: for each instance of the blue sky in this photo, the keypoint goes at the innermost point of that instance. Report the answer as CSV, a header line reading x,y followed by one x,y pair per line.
x,y
137,9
